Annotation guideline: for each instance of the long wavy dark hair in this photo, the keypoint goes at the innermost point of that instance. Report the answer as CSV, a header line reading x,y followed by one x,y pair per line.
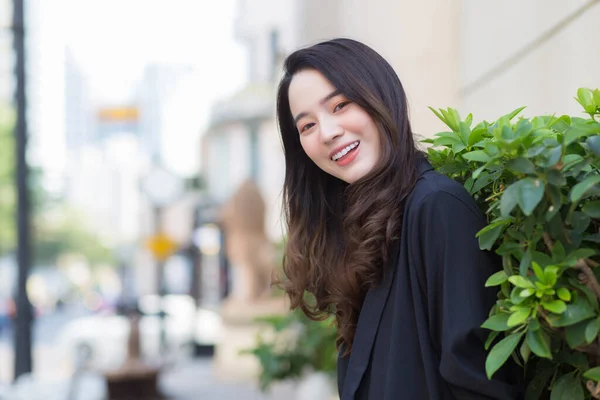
x,y
339,234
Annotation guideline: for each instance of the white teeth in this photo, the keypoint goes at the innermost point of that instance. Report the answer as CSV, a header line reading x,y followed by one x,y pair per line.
x,y
344,151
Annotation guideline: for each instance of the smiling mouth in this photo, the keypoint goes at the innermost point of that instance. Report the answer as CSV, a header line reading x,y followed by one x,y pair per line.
x,y
342,154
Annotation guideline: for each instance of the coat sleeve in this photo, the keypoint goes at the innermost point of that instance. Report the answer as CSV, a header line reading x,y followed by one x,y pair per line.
x,y
457,301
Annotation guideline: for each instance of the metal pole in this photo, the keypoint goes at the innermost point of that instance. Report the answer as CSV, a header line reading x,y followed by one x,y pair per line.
x,y
24,314
160,270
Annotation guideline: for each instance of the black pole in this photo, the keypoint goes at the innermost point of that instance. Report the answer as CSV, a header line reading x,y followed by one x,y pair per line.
x,y
24,315
161,286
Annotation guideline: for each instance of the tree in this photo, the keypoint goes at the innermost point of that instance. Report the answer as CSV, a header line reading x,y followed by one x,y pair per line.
x,y
55,229
7,179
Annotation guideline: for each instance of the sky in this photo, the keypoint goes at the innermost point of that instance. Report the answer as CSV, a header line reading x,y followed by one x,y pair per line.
x,y
112,41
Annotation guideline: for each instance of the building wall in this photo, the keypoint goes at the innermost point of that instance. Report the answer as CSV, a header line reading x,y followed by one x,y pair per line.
x,y
439,48
546,78
419,39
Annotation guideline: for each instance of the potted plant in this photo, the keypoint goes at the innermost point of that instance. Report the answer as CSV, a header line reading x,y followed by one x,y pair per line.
x,y
298,349
538,181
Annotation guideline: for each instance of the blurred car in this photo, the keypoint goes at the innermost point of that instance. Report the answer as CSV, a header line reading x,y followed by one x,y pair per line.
x,y
102,339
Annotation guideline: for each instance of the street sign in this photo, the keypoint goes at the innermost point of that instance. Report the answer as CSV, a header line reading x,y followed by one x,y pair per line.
x,y
161,246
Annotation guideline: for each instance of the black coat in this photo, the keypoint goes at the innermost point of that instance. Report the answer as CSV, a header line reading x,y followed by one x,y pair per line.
x,y
418,335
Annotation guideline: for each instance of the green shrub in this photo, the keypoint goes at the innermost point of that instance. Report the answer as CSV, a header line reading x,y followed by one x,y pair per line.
x,y
538,181
296,346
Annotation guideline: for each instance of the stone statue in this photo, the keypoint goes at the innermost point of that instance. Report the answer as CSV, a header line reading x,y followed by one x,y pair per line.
x,y
251,255
252,259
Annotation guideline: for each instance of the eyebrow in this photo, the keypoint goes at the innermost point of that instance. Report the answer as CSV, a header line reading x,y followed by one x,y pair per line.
x,y
323,101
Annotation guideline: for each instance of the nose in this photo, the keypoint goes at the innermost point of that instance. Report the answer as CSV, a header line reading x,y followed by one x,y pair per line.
x,y
330,129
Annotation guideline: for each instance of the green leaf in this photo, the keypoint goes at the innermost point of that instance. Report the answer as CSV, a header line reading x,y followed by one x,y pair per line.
x,y
594,145
564,294
591,331
524,264
539,273
488,235
527,292
539,343
555,306
592,209
579,221
561,124
558,252
575,334
477,155
446,141
478,171
585,97
521,282
521,165
500,353
491,337
577,311
582,187
550,157
518,317
530,194
595,238
509,199
451,120
572,258
439,116
465,132
482,181
476,136
593,374
525,351
514,113
469,120
497,322
567,387
556,178
589,295
551,275
496,279
578,131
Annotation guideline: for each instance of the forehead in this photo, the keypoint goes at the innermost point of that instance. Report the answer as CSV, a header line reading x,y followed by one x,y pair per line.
x,y
307,89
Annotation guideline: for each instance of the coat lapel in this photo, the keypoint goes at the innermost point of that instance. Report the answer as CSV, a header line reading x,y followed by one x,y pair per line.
x,y
366,330
370,317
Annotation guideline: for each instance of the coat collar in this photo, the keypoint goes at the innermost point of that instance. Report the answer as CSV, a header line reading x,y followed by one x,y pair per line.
x,y
371,312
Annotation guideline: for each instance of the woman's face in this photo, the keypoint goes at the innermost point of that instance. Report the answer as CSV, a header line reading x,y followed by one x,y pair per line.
x,y
338,135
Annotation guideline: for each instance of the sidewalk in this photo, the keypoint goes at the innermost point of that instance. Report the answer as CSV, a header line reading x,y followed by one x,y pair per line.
x,y
194,380
190,380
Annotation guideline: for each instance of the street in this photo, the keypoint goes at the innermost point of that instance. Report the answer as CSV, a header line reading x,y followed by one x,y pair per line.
x,y
189,379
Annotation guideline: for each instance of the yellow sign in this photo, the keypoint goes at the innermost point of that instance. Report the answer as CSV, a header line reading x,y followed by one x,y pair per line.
x,y
121,114
161,246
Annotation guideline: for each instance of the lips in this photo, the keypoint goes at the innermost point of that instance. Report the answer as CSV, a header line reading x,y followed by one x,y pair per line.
x,y
349,156
341,151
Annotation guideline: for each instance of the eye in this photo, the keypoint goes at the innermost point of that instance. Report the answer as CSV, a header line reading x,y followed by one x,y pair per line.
x,y
341,105
306,127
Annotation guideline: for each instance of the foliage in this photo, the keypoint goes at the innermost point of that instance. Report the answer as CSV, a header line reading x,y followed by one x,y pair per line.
x,y
7,187
52,235
297,345
66,233
538,181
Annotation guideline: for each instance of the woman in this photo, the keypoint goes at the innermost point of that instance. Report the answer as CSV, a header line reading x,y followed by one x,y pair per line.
x,y
378,238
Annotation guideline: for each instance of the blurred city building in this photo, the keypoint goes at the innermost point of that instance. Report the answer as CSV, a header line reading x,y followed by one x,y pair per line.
x,y
477,57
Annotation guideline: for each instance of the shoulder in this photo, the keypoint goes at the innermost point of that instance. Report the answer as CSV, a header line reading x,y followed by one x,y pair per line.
x,y
438,193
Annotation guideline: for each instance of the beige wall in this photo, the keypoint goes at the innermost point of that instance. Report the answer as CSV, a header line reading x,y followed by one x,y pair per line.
x,y
547,78
420,40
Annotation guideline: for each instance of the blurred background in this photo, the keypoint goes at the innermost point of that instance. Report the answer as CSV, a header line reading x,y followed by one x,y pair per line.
x,y
141,172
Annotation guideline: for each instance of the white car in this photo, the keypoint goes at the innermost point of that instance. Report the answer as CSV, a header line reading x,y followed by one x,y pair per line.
x,y
102,339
